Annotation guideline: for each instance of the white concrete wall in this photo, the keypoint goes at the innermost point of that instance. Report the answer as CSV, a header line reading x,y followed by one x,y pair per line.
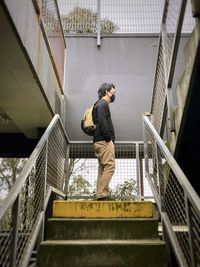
x,y
129,63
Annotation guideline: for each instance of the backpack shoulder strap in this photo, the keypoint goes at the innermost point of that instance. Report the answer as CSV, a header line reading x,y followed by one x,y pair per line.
x,y
95,119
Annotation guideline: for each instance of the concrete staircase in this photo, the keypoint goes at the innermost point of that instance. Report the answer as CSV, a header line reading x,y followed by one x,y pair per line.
x,y
104,234
182,86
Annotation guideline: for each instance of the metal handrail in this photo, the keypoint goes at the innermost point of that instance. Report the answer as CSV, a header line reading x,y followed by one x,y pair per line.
x,y
177,201
23,211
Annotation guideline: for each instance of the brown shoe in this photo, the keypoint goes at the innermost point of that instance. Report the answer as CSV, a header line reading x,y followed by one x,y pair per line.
x,y
107,198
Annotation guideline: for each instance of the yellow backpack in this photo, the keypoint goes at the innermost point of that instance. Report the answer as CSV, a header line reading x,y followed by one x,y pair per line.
x,y
87,123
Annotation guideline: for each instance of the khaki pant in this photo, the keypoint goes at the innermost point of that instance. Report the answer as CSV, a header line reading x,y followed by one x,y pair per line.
x,y
105,152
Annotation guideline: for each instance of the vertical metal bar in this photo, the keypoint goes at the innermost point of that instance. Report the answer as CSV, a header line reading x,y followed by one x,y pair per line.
x,y
15,213
41,233
170,74
176,43
26,202
190,232
98,23
170,109
159,175
45,184
67,170
168,89
165,11
141,174
164,125
138,170
145,147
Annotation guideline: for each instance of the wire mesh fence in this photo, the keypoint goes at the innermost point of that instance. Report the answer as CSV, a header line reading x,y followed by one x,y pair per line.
x,y
117,16
126,181
133,16
17,226
169,39
22,212
53,28
178,203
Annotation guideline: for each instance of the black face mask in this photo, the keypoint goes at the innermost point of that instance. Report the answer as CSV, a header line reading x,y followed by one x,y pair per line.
x,y
112,98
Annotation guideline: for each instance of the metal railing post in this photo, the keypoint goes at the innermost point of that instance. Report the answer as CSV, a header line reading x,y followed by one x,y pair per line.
x,y
159,176
98,23
15,233
41,233
141,174
44,192
190,223
138,171
168,89
67,173
176,42
146,155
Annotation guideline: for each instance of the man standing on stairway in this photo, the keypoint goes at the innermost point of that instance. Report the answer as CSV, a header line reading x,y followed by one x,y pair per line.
x,y
104,138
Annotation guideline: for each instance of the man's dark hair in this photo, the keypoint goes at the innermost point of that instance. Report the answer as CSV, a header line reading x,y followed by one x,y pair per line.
x,y
105,87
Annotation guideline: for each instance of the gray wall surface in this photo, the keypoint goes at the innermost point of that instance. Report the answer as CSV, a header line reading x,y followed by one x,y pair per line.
x,y
129,63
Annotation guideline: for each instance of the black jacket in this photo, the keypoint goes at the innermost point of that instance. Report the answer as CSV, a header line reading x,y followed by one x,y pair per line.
x,y
102,118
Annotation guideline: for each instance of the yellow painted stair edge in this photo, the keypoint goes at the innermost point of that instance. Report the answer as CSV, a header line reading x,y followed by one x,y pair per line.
x,y
102,209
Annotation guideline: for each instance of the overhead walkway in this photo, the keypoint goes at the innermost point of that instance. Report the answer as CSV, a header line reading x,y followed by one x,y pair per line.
x,y
31,86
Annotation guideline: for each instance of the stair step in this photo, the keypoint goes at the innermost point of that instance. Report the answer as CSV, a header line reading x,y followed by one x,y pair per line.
x,y
102,234
117,228
104,242
102,209
103,253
